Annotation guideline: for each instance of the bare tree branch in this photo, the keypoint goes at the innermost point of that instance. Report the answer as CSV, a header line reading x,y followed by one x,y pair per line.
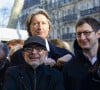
x,y
17,7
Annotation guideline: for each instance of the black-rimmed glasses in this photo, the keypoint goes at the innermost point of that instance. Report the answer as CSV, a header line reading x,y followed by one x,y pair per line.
x,y
30,49
86,33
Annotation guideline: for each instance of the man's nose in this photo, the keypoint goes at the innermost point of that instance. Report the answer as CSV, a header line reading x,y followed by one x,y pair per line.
x,y
39,25
82,36
34,50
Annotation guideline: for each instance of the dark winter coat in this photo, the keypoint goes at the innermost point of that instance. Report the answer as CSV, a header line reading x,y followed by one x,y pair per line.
x,y
77,72
25,78
55,53
3,67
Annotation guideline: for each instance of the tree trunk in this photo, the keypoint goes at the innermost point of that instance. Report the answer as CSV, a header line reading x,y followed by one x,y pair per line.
x,y
17,7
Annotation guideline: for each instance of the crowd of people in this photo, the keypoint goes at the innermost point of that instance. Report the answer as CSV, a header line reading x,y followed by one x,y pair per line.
x,y
41,64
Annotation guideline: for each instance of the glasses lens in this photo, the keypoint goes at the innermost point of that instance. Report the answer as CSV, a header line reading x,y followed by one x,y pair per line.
x,y
86,33
30,49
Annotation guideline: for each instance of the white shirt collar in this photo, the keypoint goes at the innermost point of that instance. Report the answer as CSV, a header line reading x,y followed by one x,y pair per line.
x,y
47,45
94,59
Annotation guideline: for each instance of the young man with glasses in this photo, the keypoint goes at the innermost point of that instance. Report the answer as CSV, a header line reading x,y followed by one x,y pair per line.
x,y
81,73
33,74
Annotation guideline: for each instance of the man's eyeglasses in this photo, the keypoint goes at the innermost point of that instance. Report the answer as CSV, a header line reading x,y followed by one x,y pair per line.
x,y
30,49
86,33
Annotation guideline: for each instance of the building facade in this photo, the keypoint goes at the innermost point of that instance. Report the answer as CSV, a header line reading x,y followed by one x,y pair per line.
x,y
64,15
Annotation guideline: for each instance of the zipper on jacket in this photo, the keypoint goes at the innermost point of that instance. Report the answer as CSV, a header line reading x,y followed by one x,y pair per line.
x,y
35,80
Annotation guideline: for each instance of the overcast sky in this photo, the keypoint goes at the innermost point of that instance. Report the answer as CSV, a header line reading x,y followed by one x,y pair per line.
x,y
6,4
5,9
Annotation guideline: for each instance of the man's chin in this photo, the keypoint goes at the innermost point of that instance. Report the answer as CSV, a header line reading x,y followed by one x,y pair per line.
x,y
86,48
34,65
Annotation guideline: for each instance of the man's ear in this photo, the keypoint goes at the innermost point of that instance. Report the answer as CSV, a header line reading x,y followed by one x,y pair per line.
x,y
97,35
46,53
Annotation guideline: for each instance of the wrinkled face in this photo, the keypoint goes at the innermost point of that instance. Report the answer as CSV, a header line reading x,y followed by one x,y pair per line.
x,y
40,26
2,54
86,37
34,55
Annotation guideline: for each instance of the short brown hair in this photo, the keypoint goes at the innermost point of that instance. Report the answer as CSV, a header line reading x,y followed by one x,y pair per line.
x,y
91,21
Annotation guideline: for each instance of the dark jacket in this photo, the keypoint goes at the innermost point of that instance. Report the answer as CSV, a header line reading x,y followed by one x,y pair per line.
x,y
78,73
3,67
25,78
55,53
